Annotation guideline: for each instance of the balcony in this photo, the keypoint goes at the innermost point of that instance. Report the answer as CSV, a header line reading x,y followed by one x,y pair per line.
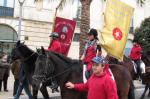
x,y
6,11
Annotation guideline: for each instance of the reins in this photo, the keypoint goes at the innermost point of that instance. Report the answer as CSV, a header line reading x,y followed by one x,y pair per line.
x,y
54,76
29,56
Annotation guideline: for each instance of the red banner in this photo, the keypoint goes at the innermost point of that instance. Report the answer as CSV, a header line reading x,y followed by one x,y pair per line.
x,y
65,28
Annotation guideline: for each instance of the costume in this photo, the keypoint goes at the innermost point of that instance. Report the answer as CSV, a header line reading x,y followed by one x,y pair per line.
x,y
135,55
90,53
55,46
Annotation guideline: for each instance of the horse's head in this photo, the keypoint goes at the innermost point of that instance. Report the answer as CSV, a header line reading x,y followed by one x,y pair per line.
x,y
15,53
44,67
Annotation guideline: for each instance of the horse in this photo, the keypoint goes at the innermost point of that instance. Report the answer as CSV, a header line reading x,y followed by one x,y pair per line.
x,y
127,63
64,69
28,57
146,77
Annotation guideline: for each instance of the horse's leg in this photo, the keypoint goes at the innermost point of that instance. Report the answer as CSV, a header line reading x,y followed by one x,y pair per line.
x,y
35,92
143,95
149,91
44,91
131,94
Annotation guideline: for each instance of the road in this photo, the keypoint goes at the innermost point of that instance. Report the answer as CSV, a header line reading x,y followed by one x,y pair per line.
x,y
8,95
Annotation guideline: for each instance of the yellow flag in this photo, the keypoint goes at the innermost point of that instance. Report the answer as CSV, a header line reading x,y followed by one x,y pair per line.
x,y
115,32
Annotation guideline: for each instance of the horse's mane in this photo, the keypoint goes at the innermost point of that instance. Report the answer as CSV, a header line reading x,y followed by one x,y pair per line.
x,y
65,59
26,50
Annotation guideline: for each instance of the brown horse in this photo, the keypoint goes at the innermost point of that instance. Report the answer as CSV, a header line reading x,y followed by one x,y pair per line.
x,y
127,63
64,69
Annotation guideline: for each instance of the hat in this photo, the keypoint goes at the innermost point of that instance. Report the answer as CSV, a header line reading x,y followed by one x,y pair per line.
x,y
54,34
99,60
93,32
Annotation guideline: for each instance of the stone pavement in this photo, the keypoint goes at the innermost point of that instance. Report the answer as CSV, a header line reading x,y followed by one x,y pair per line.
x,y
8,95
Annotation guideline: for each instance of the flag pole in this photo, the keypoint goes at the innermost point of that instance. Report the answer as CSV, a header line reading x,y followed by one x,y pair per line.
x,y
55,18
56,14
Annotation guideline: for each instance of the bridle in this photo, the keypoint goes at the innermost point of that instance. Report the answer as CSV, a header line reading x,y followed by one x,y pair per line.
x,y
53,76
27,58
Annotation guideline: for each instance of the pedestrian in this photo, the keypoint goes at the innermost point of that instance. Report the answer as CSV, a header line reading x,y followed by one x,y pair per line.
x,y
92,49
2,71
135,55
6,71
15,68
23,84
100,85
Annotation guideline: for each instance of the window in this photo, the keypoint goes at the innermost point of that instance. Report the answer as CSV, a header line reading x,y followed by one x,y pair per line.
x,y
76,37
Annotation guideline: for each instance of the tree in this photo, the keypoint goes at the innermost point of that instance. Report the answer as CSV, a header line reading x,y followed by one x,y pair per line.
x,y
85,19
142,34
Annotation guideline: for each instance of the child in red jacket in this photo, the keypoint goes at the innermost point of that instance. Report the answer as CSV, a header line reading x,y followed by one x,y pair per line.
x,y
100,85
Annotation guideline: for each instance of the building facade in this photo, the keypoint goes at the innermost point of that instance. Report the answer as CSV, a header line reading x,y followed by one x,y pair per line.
x,y
37,21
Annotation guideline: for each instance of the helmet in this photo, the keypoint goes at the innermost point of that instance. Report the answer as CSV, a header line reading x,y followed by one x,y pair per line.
x,y
93,32
54,35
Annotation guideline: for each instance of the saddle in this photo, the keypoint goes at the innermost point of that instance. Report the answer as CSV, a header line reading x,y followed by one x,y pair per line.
x,y
147,69
142,67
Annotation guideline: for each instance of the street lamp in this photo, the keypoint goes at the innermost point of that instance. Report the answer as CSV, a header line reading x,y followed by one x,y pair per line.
x,y
20,18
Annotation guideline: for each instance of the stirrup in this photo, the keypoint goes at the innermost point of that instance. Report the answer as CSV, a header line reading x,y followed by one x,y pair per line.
x,y
55,90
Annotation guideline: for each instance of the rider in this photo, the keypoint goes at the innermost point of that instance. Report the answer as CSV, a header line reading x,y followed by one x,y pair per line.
x,y
55,44
135,55
56,47
91,49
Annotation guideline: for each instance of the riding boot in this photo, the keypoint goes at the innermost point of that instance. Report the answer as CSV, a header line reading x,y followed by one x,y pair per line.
x,y
54,86
87,74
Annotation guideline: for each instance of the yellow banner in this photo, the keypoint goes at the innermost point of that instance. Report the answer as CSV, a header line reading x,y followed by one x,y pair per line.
x,y
115,32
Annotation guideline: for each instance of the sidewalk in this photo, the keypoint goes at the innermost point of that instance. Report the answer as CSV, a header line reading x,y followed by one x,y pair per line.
x,y
138,84
9,94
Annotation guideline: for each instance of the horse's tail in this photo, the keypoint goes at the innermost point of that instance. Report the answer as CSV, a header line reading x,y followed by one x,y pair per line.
x,y
131,94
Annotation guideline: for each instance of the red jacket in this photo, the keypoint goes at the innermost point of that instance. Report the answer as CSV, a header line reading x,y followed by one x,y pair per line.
x,y
90,53
136,52
55,46
99,87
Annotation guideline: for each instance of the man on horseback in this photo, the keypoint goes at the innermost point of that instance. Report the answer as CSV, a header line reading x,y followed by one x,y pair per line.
x,y
135,55
91,50
55,46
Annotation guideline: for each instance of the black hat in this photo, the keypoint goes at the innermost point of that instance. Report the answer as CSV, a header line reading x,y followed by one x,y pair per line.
x,y
135,41
54,35
93,32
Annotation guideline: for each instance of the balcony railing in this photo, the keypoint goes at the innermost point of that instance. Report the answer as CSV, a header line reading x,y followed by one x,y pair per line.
x,y
6,11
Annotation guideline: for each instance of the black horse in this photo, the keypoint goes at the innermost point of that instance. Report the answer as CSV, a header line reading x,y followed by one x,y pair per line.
x,y
146,77
64,69
28,58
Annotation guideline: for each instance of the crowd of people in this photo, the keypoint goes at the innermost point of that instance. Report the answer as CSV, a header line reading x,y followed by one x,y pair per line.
x,y
99,84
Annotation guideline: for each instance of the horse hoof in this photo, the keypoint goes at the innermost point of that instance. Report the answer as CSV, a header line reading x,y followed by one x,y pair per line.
x,y
142,97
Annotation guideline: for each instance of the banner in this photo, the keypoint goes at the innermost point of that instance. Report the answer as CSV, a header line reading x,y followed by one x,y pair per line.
x,y
65,28
114,35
